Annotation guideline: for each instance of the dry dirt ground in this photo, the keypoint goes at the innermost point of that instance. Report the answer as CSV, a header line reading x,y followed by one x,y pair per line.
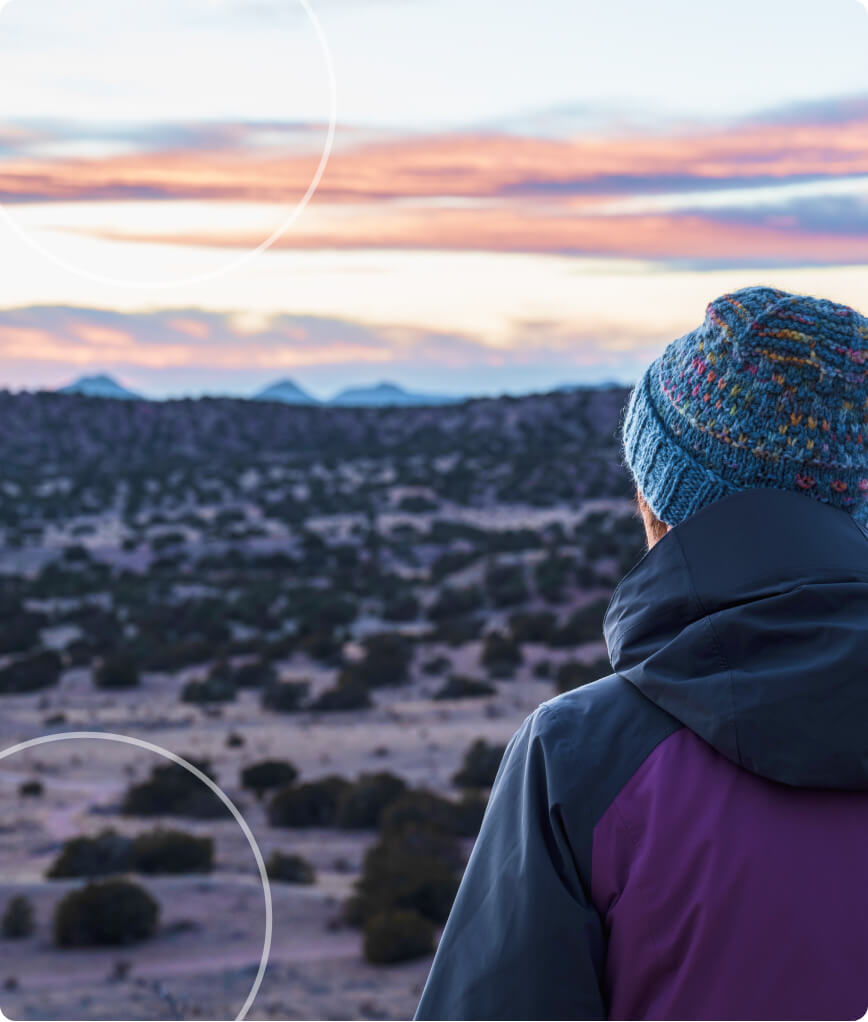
x,y
204,958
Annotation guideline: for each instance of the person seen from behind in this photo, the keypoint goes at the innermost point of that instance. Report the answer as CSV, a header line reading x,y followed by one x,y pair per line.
x,y
687,838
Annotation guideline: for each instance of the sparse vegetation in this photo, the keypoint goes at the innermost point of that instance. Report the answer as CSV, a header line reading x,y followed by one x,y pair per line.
x,y
289,869
109,913
18,920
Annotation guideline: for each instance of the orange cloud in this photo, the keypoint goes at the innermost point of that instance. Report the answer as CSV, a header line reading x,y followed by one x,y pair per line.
x,y
453,164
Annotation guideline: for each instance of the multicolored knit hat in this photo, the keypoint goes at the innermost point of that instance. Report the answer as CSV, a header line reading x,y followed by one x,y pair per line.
x,y
772,390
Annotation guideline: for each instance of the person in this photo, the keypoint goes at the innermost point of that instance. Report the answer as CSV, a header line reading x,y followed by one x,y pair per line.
x,y
687,838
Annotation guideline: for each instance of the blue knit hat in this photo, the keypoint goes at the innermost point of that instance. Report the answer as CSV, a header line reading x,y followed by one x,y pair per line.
x,y
771,390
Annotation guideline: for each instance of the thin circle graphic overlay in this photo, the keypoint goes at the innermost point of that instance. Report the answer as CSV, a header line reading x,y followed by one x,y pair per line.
x,y
140,743
245,257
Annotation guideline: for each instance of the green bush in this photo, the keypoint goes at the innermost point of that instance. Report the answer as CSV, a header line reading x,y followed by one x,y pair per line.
x,y
409,869
18,918
397,935
453,602
289,869
362,804
172,790
480,765
424,810
112,912
436,665
460,687
119,670
313,804
285,696
583,625
506,584
532,626
347,694
267,774
172,851
106,853
256,674
573,673
386,662
501,655
31,673
30,789
213,689
401,608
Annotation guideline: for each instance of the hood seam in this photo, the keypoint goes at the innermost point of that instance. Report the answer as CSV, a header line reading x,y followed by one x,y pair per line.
x,y
718,645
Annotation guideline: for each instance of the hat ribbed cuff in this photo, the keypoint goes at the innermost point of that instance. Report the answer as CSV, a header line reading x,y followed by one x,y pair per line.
x,y
672,482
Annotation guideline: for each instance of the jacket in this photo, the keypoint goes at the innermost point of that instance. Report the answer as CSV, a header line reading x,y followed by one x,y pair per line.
x,y
687,838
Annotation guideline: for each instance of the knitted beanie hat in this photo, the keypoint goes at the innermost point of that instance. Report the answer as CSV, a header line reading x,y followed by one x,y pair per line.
x,y
771,390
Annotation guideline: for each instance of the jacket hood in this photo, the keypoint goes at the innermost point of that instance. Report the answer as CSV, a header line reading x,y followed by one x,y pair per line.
x,y
748,622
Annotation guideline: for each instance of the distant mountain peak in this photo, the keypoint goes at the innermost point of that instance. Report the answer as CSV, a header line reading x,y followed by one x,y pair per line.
x,y
287,391
387,393
100,385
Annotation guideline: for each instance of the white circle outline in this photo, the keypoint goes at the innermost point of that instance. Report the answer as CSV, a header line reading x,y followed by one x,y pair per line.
x,y
109,736
239,261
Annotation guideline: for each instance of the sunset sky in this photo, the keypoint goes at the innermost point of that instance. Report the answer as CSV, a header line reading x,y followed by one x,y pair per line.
x,y
519,195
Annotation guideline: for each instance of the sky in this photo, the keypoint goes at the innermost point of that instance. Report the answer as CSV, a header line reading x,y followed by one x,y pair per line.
x,y
467,197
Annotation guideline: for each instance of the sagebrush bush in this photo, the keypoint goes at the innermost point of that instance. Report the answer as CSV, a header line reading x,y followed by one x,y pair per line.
x,y
171,851
120,670
267,774
460,687
574,673
112,912
101,855
480,765
397,935
313,804
362,804
172,790
285,696
424,810
18,918
411,869
289,868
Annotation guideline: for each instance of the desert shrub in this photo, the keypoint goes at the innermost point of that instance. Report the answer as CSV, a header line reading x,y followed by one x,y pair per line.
x,y
172,790
424,810
177,654
256,674
106,853
362,804
213,689
416,504
506,584
18,918
542,669
386,662
30,789
501,654
347,694
532,625
171,851
19,630
457,631
289,869
285,696
404,607
552,575
30,673
111,912
455,602
460,687
583,625
573,673
269,773
436,665
410,869
397,935
480,765
313,804
120,670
